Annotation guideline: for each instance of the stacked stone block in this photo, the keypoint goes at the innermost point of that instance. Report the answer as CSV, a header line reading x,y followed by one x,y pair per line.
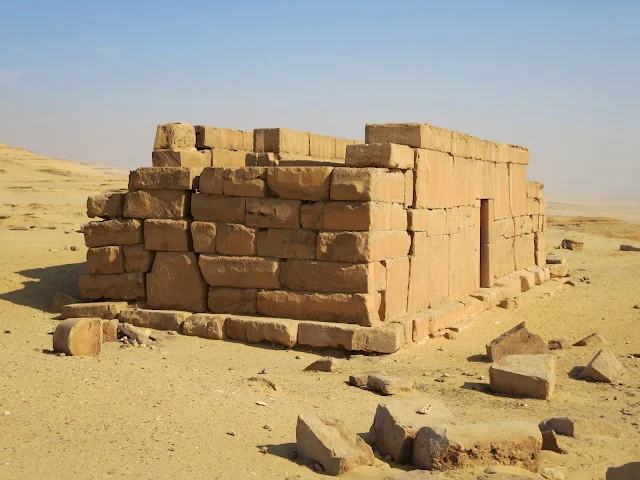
x,y
394,233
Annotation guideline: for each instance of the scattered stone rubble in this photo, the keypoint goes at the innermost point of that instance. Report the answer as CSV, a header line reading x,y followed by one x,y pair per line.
x,y
517,341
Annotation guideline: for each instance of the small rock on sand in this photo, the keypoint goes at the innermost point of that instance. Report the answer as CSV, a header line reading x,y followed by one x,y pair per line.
x,y
327,364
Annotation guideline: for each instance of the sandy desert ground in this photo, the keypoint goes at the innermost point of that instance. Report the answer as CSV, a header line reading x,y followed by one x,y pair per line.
x,y
137,413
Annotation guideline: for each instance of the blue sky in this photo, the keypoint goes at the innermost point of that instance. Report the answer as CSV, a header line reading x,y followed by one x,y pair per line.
x,y
90,81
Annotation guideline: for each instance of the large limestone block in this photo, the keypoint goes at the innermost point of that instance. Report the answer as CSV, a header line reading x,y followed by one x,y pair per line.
x,y
518,155
518,189
418,293
380,339
341,146
322,146
212,181
355,308
464,257
465,446
486,179
436,250
164,178
109,330
465,182
604,367
78,337
170,204
434,179
257,330
190,158
203,235
240,272
524,375
239,301
217,208
167,235
362,216
281,140
221,157
123,286
311,215
175,136
105,260
517,341
327,335
414,135
367,184
362,247
245,182
175,283
287,243
235,239
112,232
247,140
216,137
329,443
137,259
381,155
502,201
273,213
205,325
156,319
534,189
578,427
104,310
628,471
524,249
318,276
394,297
408,189
300,183
396,424
432,222
105,206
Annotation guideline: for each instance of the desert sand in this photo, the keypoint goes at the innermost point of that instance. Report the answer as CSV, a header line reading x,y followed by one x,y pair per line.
x,y
169,412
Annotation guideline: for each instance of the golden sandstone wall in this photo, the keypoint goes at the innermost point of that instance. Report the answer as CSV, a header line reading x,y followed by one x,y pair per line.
x,y
417,227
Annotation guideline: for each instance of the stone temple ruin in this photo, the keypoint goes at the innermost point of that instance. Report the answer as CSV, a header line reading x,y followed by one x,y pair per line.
x,y
302,239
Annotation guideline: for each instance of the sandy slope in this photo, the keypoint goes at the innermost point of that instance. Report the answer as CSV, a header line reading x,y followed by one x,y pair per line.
x,y
137,413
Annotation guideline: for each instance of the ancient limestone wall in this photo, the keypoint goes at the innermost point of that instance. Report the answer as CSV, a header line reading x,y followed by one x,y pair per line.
x,y
419,226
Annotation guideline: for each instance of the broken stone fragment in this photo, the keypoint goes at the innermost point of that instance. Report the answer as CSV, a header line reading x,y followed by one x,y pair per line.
x,y
396,424
326,364
517,341
594,339
524,375
359,380
78,337
330,444
604,367
578,428
387,385
559,344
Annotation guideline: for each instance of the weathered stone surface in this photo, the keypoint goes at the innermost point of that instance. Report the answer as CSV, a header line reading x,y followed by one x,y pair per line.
x,y
367,184
169,204
78,337
524,375
175,283
311,215
578,428
593,340
604,367
167,235
164,178
326,335
137,259
205,325
281,140
517,341
203,235
105,260
105,206
356,308
414,135
559,271
300,183
394,297
559,344
322,146
287,243
212,181
326,364
245,182
240,301
240,272
123,286
433,222
58,301
381,155
318,276
235,239
628,471
362,247
257,330
396,424
221,157
112,232
109,331
629,248
155,319
104,310
363,216
273,213
191,158
208,137
434,179
175,136
330,444
384,338
218,208
387,385
425,475
463,446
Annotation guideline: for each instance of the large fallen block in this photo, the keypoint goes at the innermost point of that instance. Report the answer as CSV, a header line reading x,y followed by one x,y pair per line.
x,y
105,310
464,446
155,319
123,286
205,325
517,341
524,375
396,424
78,337
604,367
329,443
257,330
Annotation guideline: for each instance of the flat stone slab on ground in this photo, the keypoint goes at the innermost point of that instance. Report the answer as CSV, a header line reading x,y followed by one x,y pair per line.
x,y
155,319
78,337
524,375
327,364
604,367
106,310
205,325
330,444
577,428
517,341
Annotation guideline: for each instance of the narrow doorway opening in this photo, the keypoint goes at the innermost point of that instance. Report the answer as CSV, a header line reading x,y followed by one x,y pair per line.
x,y
486,219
